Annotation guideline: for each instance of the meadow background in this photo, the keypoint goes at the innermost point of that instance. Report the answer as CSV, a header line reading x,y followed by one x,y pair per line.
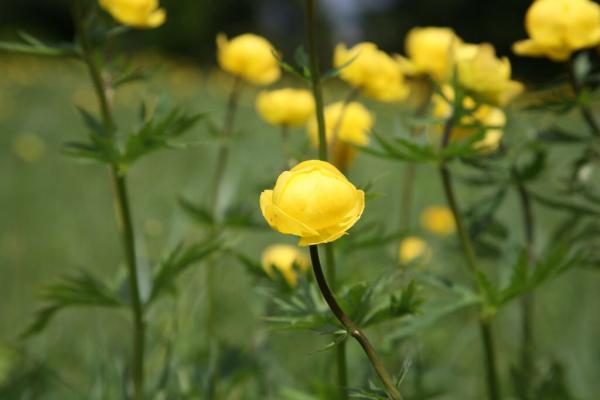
x,y
56,215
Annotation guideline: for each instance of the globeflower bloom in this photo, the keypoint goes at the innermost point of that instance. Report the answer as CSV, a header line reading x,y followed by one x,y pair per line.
x,y
430,52
141,14
249,57
313,201
285,259
557,28
412,249
485,75
438,220
371,70
285,107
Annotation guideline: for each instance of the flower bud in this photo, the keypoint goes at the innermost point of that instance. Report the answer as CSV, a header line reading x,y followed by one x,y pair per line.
x,y
285,258
249,57
285,107
557,28
314,201
438,220
412,249
141,14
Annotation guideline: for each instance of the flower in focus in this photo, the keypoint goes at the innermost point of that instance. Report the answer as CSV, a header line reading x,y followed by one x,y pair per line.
x,y
29,147
485,75
141,14
412,249
287,107
249,57
430,52
438,220
285,258
557,28
371,70
346,124
314,201
481,116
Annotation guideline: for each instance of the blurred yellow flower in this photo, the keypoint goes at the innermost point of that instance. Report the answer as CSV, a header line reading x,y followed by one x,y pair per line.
x,y
284,258
314,201
371,71
249,57
557,28
485,75
29,147
141,14
438,220
430,52
285,107
413,248
481,116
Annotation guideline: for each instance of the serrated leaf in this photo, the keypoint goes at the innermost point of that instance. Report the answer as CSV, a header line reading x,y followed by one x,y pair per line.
x,y
92,123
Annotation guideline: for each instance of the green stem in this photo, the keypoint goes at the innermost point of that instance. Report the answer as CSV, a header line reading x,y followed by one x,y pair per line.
x,y
122,205
471,260
285,143
586,112
351,328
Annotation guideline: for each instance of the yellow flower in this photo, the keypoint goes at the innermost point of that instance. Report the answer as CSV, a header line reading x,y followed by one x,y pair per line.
x,y
413,248
430,51
314,201
249,57
135,13
284,258
287,107
371,70
557,28
345,125
438,220
483,116
485,75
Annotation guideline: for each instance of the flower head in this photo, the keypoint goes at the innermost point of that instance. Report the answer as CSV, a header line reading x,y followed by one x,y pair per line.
x,y
412,249
249,57
287,107
557,28
141,14
438,220
314,201
371,70
285,258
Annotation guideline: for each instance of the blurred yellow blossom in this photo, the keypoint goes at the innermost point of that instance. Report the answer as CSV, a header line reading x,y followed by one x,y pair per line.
x,y
250,57
557,28
413,248
430,52
29,147
314,201
135,13
284,258
285,107
438,220
485,75
371,70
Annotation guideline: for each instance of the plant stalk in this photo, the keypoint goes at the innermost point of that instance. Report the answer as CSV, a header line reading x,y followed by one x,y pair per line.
x,y
351,327
122,205
586,112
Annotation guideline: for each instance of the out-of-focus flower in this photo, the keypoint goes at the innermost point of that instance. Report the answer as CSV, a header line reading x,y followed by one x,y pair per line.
x,y
430,51
557,28
438,220
285,107
371,71
284,258
142,14
413,248
346,124
250,57
482,116
29,147
485,75
314,201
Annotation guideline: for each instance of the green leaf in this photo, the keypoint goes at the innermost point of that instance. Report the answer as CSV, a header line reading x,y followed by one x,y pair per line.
x,y
534,168
199,214
407,304
33,46
565,205
92,123
560,136
100,150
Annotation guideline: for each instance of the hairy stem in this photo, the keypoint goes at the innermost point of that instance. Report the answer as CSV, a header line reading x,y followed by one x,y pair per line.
x,y
351,327
123,210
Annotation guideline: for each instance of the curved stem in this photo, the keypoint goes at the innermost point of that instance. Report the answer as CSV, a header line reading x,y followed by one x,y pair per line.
x,y
123,210
351,327
471,261
586,113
